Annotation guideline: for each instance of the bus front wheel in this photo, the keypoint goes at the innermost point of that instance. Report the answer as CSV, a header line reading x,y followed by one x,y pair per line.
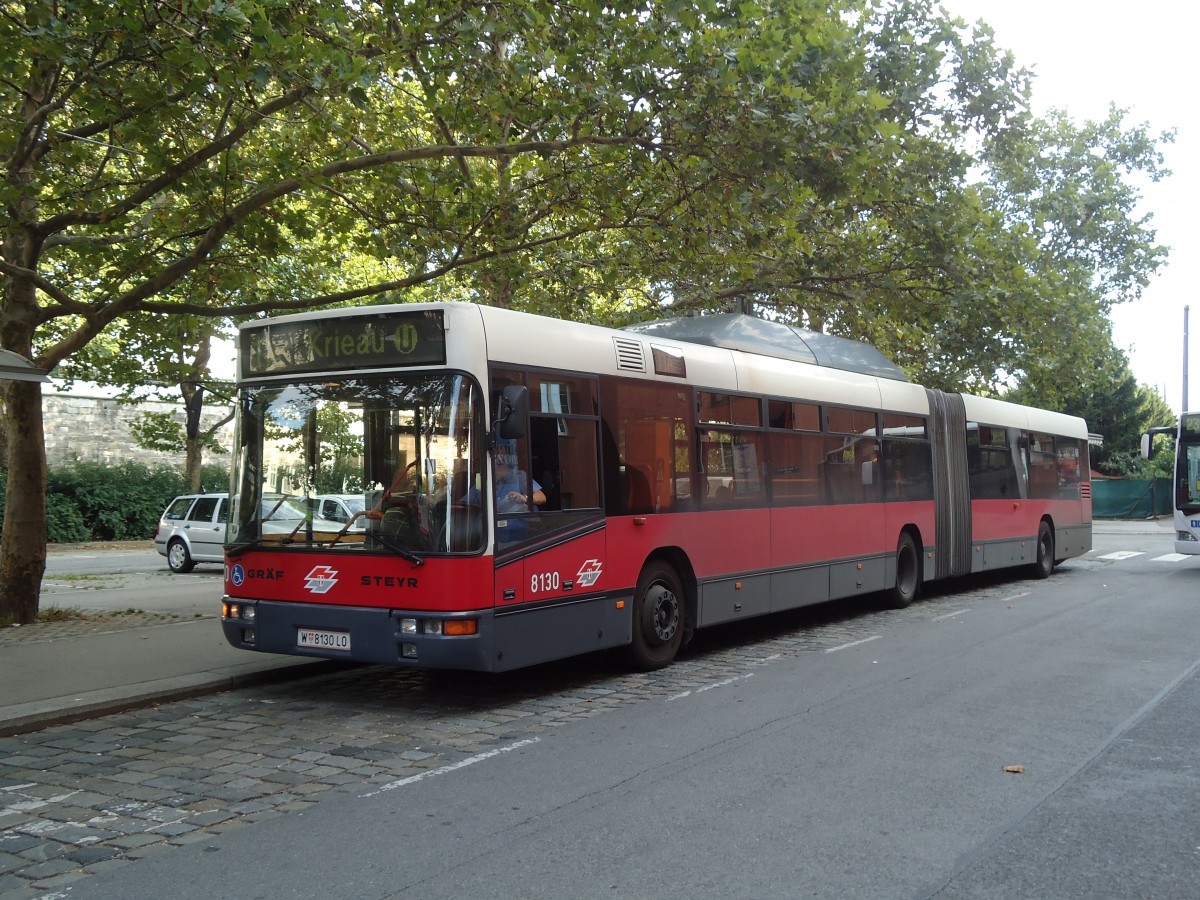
x,y
908,572
1044,564
659,612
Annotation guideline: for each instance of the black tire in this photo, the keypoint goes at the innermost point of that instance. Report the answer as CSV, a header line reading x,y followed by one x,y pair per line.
x,y
908,573
659,617
1044,561
178,558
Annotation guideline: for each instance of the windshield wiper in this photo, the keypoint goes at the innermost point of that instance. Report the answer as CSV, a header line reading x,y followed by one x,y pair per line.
x,y
400,551
275,508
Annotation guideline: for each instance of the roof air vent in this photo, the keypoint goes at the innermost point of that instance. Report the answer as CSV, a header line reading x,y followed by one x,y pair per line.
x,y
630,355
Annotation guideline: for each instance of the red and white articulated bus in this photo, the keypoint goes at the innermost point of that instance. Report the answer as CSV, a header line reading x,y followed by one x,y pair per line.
x,y
535,489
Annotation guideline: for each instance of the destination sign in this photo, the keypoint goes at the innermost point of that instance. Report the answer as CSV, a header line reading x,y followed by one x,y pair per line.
x,y
1189,426
351,342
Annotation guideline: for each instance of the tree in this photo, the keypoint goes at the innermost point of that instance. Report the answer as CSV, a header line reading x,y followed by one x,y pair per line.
x,y
151,150
165,358
597,160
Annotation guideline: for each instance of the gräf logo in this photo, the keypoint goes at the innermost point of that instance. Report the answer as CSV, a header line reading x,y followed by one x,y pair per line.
x,y
320,579
590,573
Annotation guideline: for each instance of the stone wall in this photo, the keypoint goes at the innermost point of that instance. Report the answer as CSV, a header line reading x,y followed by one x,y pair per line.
x,y
96,429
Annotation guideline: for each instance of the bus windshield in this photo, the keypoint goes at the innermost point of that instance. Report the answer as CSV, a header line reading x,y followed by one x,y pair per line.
x,y
412,448
1187,465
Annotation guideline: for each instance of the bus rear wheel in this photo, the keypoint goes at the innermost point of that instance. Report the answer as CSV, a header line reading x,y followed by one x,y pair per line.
x,y
908,572
659,613
1044,563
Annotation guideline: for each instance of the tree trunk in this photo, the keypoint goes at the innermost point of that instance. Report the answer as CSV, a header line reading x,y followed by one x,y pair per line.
x,y
3,433
193,458
23,542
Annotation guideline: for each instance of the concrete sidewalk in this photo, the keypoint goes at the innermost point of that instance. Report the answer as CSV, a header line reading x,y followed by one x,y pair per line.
x,y
54,673
59,672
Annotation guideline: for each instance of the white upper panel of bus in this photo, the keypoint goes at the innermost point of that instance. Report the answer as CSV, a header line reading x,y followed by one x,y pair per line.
x,y
535,341
999,412
476,334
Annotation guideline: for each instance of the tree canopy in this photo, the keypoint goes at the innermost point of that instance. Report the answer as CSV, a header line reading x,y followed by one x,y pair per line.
x,y
869,167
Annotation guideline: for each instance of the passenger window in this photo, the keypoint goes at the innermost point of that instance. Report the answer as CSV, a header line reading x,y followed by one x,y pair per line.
x,y
794,416
1043,466
558,457
647,435
204,509
991,464
850,421
179,509
728,409
732,468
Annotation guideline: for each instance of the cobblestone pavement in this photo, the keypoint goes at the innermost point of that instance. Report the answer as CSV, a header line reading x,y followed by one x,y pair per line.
x,y
80,799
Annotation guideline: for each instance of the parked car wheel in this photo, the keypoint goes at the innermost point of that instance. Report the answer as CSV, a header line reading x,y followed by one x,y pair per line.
x,y
178,557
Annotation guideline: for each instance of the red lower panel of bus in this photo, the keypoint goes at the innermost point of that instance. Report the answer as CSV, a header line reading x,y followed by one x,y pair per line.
x,y
716,543
1002,519
460,583
755,540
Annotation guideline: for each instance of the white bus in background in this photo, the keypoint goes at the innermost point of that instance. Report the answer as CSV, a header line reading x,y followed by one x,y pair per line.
x,y
1187,478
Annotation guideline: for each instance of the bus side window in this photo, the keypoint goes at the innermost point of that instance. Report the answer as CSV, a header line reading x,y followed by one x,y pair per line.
x,y
563,440
647,450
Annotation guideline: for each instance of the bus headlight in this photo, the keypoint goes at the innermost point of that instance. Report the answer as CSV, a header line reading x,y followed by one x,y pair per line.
x,y
447,627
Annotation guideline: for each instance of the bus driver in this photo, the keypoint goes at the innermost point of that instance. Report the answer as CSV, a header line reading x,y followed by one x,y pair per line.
x,y
513,493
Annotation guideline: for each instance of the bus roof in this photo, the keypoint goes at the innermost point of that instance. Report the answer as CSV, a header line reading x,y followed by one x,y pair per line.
x,y
737,331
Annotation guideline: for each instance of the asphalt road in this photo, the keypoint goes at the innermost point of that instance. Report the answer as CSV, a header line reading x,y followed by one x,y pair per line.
x,y
839,753
97,578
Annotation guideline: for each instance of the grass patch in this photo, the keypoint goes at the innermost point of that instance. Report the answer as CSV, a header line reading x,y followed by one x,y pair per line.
x,y
84,582
60,614
50,614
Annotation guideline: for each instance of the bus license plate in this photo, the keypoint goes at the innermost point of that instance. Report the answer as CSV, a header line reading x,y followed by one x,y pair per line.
x,y
323,640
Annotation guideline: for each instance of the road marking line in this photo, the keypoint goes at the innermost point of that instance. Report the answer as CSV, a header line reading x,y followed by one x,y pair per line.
x,y
709,687
853,644
1122,554
453,767
950,615
1015,597
727,681
1171,557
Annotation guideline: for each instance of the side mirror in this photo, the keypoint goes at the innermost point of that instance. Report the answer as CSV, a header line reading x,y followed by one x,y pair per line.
x,y
512,413
1146,439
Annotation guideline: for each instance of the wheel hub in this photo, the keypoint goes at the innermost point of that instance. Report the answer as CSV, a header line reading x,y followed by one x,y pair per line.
x,y
662,613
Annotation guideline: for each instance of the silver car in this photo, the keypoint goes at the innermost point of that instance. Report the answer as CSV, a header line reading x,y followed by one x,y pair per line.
x,y
192,527
192,530
340,508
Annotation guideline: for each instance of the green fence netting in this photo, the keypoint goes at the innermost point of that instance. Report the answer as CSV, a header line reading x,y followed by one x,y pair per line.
x,y
1131,498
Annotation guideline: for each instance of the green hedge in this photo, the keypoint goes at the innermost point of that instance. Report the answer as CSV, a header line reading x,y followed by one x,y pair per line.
x,y
88,501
